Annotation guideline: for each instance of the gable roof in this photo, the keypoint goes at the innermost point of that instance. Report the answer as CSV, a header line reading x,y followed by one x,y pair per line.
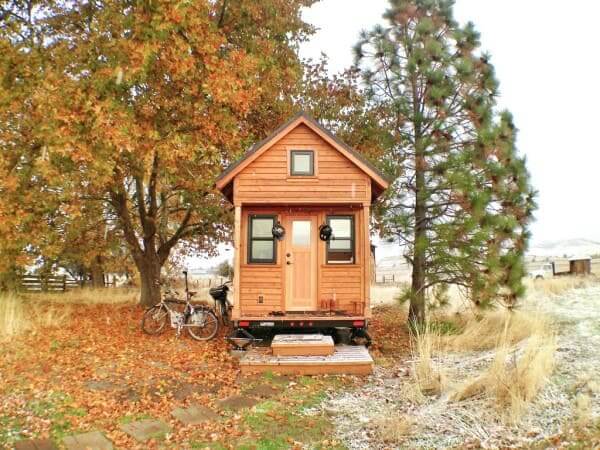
x,y
259,148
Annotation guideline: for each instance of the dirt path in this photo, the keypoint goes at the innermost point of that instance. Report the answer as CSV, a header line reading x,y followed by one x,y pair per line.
x,y
385,402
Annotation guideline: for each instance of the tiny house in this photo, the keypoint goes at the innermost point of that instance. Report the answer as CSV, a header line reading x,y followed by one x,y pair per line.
x,y
302,203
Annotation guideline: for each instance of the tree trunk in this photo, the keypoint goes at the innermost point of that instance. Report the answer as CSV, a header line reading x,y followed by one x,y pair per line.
x,y
149,269
97,273
416,312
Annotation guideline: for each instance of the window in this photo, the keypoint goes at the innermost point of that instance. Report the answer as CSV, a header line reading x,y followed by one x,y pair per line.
x,y
340,248
302,163
261,243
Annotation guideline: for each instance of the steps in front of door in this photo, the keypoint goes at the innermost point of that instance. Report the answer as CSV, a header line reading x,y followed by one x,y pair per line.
x,y
302,345
346,359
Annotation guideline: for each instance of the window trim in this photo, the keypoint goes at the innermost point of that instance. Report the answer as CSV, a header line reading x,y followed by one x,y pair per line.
x,y
310,153
251,259
352,238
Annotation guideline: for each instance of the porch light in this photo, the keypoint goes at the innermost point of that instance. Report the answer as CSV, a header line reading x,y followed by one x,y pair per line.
x,y
278,231
325,232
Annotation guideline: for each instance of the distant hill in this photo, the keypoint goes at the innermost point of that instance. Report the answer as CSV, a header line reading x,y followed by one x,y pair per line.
x,y
389,255
569,247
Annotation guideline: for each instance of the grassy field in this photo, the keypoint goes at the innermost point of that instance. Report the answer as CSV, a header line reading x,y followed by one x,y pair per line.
x,y
79,362
520,379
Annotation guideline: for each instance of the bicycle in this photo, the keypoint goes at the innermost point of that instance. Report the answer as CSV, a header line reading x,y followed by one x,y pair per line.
x,y
199,320
222,305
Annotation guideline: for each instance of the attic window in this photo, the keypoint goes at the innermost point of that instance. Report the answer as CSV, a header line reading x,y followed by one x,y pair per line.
x,y
302,163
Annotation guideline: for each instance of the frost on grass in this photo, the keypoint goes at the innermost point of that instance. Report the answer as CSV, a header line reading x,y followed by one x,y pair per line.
x,y
388,410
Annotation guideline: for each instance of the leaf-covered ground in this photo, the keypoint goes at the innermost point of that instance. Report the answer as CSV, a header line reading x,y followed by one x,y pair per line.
x,y
99,371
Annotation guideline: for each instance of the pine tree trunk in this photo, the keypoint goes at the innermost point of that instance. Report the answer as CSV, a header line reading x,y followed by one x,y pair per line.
x,y
149,269
416,312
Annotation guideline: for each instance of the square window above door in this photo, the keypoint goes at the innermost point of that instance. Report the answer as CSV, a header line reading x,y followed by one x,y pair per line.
x,y
302,163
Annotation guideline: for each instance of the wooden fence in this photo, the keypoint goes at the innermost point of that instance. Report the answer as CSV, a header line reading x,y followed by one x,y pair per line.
x,y
37,283
386,279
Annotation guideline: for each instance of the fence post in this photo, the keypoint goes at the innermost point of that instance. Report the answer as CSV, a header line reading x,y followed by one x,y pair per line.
x,y
64,284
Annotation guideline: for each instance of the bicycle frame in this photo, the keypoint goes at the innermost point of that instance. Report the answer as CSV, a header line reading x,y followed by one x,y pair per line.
x,y
178,319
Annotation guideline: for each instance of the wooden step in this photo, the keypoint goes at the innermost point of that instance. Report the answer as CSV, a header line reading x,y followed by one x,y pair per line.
x,y
346,359
302,345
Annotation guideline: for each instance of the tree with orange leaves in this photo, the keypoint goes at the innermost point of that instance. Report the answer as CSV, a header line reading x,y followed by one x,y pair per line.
x,y
136,106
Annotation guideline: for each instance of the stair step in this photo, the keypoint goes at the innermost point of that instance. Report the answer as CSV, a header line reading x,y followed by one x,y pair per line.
x,y
302,345
346,359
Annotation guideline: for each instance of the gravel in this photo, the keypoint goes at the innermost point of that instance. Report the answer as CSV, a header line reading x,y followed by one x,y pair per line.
x,y
358,414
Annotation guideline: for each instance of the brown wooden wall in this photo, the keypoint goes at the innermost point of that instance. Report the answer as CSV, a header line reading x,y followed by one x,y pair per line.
x,y
580,266
267,180
349,282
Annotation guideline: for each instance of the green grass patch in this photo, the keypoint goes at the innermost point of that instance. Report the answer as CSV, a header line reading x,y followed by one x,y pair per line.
x,y
54,345
204,445
272,378
58,408
128,418
280,424
266,444
306,381
10,431
444,327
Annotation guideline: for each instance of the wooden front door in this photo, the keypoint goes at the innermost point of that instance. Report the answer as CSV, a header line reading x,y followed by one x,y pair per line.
x,y
301,263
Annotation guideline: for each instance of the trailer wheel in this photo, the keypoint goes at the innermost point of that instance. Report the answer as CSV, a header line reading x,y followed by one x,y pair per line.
x,y
360,337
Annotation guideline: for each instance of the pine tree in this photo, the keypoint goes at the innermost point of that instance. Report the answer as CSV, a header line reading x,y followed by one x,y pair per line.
x,y
461,201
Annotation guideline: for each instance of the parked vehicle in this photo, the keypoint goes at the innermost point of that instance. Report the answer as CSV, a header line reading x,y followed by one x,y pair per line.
x,y
580,265
199,320
543,272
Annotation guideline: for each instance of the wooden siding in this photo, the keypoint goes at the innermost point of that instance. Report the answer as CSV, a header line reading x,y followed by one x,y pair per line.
x,y
267,179
266,280
344,282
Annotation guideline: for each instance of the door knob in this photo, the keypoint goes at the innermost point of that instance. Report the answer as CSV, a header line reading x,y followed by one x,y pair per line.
x,y
288,255
288,263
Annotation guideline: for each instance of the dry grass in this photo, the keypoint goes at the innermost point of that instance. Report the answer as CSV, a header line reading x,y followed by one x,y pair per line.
x,y
18,316
587,383
90,296
558,285
583,410
489,331
427,372
394,428
515,377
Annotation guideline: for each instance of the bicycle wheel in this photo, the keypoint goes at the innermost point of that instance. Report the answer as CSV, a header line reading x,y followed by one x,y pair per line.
x,y
155,319
202,324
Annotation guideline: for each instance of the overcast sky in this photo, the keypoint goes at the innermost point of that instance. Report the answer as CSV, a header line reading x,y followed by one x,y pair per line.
x,y
546,54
